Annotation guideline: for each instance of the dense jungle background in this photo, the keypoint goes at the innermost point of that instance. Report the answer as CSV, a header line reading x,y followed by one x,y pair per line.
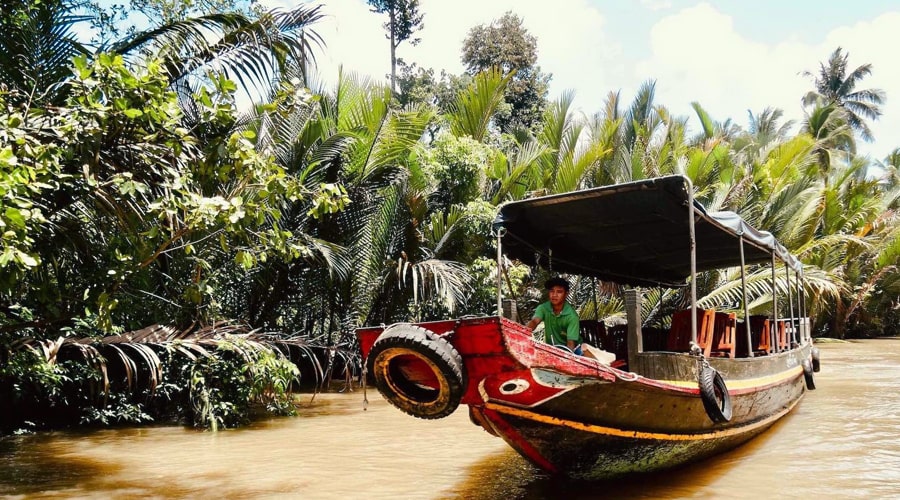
x,y
193,226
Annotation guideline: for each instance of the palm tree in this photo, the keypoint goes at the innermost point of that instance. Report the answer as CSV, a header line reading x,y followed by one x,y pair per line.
x,y
833,85
358,140
557,160
570,159
36,48
474,107
40,40
765,126
828,125
252,52
629,136
765,129
890,178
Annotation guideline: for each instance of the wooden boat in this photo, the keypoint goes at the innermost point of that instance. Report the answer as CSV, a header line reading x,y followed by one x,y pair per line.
x,y
670,397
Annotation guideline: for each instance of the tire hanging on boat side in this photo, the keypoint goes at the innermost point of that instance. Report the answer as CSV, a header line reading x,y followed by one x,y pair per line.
x,y
815,359
808,374
714,394
401,346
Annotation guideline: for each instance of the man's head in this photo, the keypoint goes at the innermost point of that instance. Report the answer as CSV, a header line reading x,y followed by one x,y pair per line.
x,y
557,290
557,281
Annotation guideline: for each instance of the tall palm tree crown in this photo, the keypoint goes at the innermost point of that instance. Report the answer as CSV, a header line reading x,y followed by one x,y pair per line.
x,y
835,86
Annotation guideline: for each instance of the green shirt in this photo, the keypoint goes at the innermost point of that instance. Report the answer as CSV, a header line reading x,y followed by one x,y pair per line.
x,y
559,328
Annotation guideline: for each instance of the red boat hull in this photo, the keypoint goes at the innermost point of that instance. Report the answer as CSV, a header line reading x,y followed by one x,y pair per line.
x,y
576,416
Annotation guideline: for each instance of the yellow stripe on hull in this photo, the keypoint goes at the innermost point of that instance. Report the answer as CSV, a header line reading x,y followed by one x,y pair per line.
x,y
612,431
743,384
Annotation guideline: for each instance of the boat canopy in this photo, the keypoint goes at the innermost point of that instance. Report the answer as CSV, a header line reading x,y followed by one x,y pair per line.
x,y
637,233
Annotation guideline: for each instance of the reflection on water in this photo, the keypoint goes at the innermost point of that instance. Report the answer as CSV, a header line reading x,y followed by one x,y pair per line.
x,y
841,441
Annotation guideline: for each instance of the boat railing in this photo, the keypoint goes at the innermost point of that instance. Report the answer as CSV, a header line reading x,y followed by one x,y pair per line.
x,y
797,329
720,334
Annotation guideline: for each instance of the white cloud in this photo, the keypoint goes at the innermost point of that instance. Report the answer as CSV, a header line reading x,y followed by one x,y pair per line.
x,y
657,4
696,54
571,42
874,42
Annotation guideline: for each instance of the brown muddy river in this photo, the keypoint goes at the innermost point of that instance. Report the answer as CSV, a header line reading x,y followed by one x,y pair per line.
x,y
842,441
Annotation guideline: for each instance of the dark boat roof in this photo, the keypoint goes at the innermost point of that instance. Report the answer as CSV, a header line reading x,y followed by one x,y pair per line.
x,y
635,233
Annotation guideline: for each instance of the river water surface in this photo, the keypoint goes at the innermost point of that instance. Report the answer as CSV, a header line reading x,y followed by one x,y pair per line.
x,y
842,441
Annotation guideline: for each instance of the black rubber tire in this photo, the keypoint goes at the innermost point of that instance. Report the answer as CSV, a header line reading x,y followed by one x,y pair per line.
x,y
714,394
814,354
808,375
411,398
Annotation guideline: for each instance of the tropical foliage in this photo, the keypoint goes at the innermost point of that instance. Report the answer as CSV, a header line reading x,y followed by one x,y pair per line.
x,y
506,45
135,191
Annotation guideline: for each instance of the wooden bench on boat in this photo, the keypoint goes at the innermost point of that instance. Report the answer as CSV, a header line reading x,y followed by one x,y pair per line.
x,y
680,333
723,340
760,336
781,336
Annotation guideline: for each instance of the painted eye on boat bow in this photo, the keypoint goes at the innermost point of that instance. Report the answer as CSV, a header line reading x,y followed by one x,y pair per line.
x,y
515,386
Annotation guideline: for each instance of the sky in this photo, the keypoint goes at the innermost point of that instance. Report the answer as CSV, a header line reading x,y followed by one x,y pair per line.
x,y
731,56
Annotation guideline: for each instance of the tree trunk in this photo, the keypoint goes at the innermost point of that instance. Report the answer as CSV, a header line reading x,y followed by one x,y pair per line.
x,y
393,14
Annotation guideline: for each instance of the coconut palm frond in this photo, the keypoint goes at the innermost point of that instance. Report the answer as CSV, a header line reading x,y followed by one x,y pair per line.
x,y
435,279
378,155
730,293
152,363
803,219
188,348
659,302
318,162
328,255
371,247
517,173
128,365
707,124
440,227
471,112
559,130
828,244
252,52
36,49
91,355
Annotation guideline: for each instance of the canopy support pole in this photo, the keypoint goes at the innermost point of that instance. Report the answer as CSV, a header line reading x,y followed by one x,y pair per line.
x,y
773,327
690,201
801,304
801,308
787,273
500,233
744,293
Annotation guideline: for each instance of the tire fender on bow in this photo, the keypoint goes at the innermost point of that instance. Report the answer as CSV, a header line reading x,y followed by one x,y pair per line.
x,y
417,371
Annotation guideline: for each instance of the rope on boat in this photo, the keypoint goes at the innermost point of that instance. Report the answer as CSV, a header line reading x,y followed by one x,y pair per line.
x,y
701,359
631,376
626,376
365,396
365,376
619,374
